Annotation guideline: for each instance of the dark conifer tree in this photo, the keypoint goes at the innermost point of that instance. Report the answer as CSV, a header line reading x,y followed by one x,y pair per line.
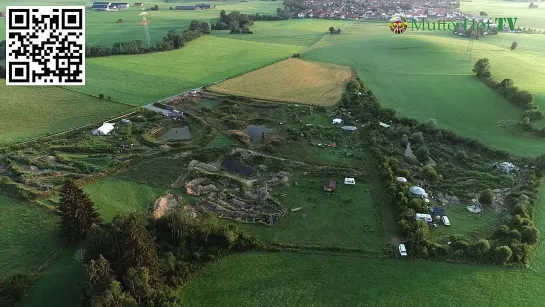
x,y
77,213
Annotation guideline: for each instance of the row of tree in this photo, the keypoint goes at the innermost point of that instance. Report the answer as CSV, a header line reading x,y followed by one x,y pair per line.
x,y
508,90
171,41
236,22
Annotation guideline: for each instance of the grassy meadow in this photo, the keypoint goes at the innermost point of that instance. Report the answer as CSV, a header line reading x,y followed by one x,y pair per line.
x,y
29,237
344,219
102,27
346,280
292,80
142,79
529,18
113,196
28,112
423,76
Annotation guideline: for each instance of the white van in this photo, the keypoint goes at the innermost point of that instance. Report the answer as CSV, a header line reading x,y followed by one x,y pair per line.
x,y
424,217
402,250
350,181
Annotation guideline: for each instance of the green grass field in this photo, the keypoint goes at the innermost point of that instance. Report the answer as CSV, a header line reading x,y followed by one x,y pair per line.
x,y
470,224
529,18
28,112
423,76
320,280
62,285
325,280
102,27
142,79
29,237
160,172
345,219
113,196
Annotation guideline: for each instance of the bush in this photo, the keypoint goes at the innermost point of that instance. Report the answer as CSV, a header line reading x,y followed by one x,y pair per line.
x,y
431,125
430,173
423,154
533,114
486,197
404,140
14,288
101,96
529,235
501,254
417,138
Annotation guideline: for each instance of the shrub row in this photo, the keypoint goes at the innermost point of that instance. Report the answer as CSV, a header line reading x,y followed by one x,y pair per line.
x,y
499,249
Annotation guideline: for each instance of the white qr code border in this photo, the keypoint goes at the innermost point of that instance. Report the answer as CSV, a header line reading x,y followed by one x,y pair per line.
x,y
45,45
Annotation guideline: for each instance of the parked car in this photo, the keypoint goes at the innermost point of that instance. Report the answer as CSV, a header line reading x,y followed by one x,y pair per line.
x,y
445,220
402,250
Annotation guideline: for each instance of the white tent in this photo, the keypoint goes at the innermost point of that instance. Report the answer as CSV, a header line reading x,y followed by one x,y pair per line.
x,y
418,191
337,121
105,129
384,125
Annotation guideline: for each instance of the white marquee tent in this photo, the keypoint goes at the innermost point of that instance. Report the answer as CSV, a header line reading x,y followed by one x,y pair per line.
x,y
105,129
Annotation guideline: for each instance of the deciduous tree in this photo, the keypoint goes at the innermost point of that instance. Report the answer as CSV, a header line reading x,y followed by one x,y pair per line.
x,y
482,68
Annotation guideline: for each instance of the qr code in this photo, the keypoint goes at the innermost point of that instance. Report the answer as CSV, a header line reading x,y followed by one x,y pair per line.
x,y
45,45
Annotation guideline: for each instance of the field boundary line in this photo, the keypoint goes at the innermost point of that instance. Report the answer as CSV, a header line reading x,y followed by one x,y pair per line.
x,y
321,39
91,95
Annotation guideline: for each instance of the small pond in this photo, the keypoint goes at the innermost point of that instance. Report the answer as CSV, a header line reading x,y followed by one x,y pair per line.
x,y
236,166
176,134
256,132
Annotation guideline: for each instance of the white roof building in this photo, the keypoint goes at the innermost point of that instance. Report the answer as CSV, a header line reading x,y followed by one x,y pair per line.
x,y
337,121
105,129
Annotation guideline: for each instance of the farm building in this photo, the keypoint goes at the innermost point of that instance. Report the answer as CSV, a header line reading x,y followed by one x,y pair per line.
x,y
330,185
185,8
139,4
109,6
175,114
193,7
105,129
101,6
349,128
119,5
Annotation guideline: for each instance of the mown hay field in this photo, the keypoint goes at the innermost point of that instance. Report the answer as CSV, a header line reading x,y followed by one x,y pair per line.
x,y
292,80
33,111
